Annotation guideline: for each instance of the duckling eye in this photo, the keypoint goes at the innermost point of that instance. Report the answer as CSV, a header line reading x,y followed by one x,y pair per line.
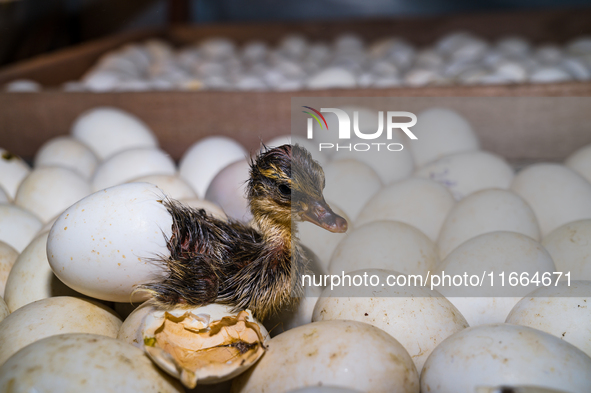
x,y
284,190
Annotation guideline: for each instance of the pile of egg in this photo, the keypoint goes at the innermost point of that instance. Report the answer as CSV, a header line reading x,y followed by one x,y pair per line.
x,y
440,204
295,63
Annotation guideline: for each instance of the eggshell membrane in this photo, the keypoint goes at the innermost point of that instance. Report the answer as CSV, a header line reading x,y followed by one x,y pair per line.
x,y
67,152
210,207
419,318
486,211
556,194
570,249
228,190
389,245
108,243
422,203
31,277
131,164
206,158
17,226
13,170
8,256
503,354
53,316
580,162
4,311
350,184
46,192
441,132
89,362
468,172
339,353
563,311
171,185
108,130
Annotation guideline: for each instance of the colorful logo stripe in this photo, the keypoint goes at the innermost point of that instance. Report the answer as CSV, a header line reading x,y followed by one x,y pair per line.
x,y
319,114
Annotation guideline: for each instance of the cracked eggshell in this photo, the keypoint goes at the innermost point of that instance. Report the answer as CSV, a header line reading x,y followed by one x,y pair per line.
x,y
580,162
486,211
419,318
333,353
47,192
53,316
105,245
556,194
17,226
503,354
441,132
468,172
228,190
67,152
171,185
107,130
422,203
206,158
8,256
563,311
570,249
13,170
89,363
390,245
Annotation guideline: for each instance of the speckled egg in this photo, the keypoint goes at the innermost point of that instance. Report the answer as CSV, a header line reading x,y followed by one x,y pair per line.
x,y
570,249
8,256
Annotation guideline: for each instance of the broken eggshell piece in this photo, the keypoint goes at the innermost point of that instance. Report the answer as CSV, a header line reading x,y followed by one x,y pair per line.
x,y
203,345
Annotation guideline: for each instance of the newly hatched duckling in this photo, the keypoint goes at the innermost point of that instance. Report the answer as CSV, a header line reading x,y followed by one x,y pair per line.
x,y
249,267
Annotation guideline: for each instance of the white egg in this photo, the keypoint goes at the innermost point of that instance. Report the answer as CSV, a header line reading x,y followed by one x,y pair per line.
x,y
31,277
110,130
389,245
88,362
486,211
52,316
350,184
23,86
17,226
210,207
488,262
468,172
570,249
503,354
8,256
514,45
13,170
422,77
131,330
331,78
580,161
549,74
105,245
228,190
206,158
67,152
171,185
217,47
556,194
4,311
47,192
441,132
422,203
131,164
562,310
419,318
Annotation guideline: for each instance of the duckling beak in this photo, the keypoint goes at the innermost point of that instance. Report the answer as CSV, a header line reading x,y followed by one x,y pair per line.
x,y
321,214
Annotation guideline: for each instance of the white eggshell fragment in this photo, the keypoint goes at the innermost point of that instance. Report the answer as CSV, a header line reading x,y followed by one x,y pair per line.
x,y
441,132
228,190
8,256
332,353
31,277
570,249
486,211
17,226
110,130
580,162
53,316
47,192
172,185
89,363
419,318
131,164
468,172
13,170
503,354
562,310
105,245
67,152
422,203
389,245
206,158
556,194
